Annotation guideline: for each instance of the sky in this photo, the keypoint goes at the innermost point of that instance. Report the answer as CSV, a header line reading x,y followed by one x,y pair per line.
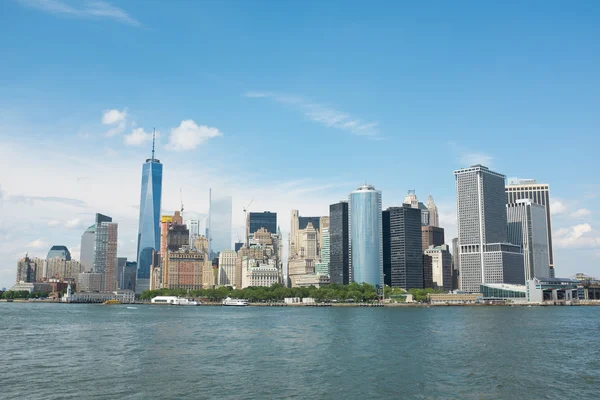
x,y
291,104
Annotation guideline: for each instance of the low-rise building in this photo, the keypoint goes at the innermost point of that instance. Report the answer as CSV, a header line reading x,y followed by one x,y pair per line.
x,y
124,296
453,298
503,292
259,275
540,290
31,287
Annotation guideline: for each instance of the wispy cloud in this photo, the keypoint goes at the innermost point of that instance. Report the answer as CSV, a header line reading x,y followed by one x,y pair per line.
x,y
137,137
89,9
115,118
580,213
467,157
33,199
323,114
557,207
578,236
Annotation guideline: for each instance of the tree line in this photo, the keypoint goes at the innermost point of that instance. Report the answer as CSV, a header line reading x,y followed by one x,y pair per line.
x,y
22,294
334,292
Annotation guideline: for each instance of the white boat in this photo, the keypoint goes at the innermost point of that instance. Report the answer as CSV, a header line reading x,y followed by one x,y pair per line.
x,y
174,300
235,302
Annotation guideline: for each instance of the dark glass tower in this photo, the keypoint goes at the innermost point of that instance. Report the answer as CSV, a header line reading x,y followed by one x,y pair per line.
x,y
149,227
257,220
402,247
339,262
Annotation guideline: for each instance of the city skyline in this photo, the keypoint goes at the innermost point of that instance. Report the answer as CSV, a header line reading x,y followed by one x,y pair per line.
x,y
85,138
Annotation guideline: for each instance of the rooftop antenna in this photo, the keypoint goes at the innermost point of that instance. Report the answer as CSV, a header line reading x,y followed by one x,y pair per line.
x,y
153,140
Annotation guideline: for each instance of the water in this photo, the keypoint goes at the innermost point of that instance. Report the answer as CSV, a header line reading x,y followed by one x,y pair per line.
x,y
59,351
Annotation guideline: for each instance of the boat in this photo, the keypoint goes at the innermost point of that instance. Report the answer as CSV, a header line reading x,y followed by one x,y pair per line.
x,y
112,301
174,300
235,302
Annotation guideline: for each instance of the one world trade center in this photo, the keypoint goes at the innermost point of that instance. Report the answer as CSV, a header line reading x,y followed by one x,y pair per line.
x,y
149,228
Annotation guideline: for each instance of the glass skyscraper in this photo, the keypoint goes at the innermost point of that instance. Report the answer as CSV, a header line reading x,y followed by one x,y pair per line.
x,y
366,242
219,223
149,226
339,270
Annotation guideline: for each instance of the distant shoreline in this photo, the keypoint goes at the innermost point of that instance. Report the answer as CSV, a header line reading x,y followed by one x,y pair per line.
x,y
338,305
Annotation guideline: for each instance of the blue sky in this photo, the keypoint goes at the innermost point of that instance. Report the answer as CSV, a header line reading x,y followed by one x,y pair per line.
x,y
292,104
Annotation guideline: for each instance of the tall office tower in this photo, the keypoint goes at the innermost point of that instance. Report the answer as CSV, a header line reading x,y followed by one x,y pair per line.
x,y
322,267
59,251
128,276
539,193
411,199
485,255
527,228
238,246
178,236
219,223
339,261
441,267
298,227
56,262
432,236
121,262
26,270
149,228
227,269
455,263
105,251
434,216
257,220
194,227
38,268
365,244
88,240
402,247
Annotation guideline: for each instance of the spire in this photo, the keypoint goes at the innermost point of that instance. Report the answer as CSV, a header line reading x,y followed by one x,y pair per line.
x,y
153,140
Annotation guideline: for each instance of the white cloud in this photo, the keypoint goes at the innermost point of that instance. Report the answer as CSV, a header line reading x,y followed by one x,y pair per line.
x,y
475,158
89,9
138,136
188,135
323,114
37,244
582,212
113,116
53,222
578,236
557,207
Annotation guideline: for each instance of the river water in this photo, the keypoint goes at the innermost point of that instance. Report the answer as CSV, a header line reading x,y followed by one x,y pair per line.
x,y
80,351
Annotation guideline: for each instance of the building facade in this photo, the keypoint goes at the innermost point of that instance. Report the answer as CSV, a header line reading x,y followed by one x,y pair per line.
x,y
434,216
413,202
402,247
128,276
539,193
485,255
105,251
527,228
227,270
148,240
184,270
366,242
322,267
26,270
432,236
90,282
257,220
441,267
339,261
86,257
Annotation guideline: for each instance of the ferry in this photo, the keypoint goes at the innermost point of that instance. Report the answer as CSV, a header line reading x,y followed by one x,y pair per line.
x,y
174,300
108,302
235,302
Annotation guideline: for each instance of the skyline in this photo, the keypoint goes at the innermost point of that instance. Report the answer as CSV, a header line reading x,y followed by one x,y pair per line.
x,y
73,111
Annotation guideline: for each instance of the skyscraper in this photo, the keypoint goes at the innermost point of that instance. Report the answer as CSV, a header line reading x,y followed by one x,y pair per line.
x,y
441,267
527,228
539,193
257,220
485,255
105,251
86,258
26,270
432,236
227,270
411,200
339,269
402,247
149,228
434,216
365,244
59,251
323,266
219,223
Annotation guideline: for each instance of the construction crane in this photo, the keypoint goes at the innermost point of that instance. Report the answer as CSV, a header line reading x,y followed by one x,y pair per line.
x,y
181,200
246,219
